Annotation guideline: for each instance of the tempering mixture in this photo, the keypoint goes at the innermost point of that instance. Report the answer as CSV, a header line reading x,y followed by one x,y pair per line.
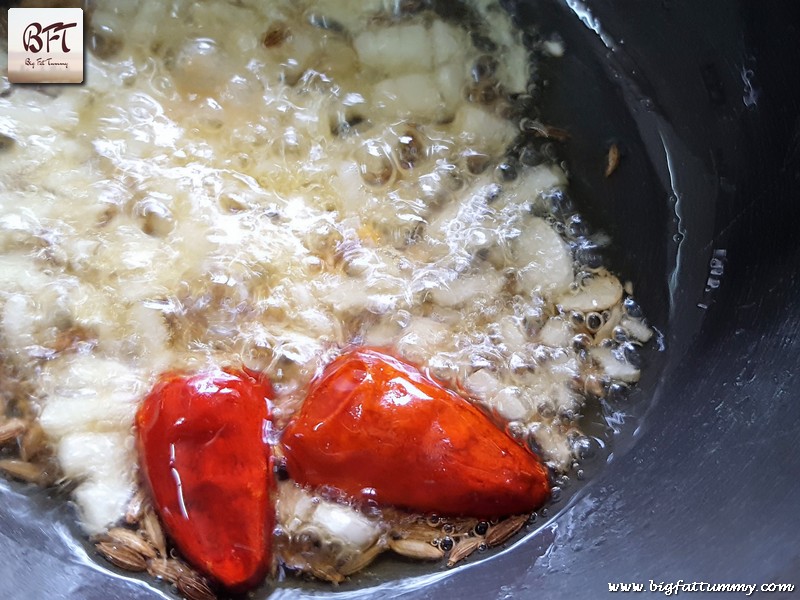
x,y
266,184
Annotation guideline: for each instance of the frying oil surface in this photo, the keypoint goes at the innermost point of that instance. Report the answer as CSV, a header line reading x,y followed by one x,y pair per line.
x,y
267,183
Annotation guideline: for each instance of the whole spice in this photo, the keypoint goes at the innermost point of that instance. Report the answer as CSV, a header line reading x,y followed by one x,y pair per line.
x,y
204,453
379,430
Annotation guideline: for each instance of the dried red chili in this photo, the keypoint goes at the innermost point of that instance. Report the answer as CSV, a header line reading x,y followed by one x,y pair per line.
x,y
378,429
205,455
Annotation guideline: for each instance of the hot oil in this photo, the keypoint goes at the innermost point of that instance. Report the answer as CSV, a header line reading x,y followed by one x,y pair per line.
x,y
253,199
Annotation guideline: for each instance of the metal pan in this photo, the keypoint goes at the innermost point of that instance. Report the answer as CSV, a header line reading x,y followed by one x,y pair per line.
x,y
701,484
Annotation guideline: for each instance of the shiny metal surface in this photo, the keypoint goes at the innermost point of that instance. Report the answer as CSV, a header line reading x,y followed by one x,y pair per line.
x,y
704,99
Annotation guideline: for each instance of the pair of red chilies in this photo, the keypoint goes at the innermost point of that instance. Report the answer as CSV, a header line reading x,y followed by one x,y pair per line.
x,y
371,426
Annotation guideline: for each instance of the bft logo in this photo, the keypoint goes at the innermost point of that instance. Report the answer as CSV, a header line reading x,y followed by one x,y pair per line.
x,y
45,45
32,37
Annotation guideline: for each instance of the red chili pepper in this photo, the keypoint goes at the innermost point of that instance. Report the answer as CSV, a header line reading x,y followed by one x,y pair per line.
x,y
377,428
205,455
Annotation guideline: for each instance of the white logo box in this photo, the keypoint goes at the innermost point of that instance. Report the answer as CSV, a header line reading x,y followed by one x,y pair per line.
x,y
45,45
